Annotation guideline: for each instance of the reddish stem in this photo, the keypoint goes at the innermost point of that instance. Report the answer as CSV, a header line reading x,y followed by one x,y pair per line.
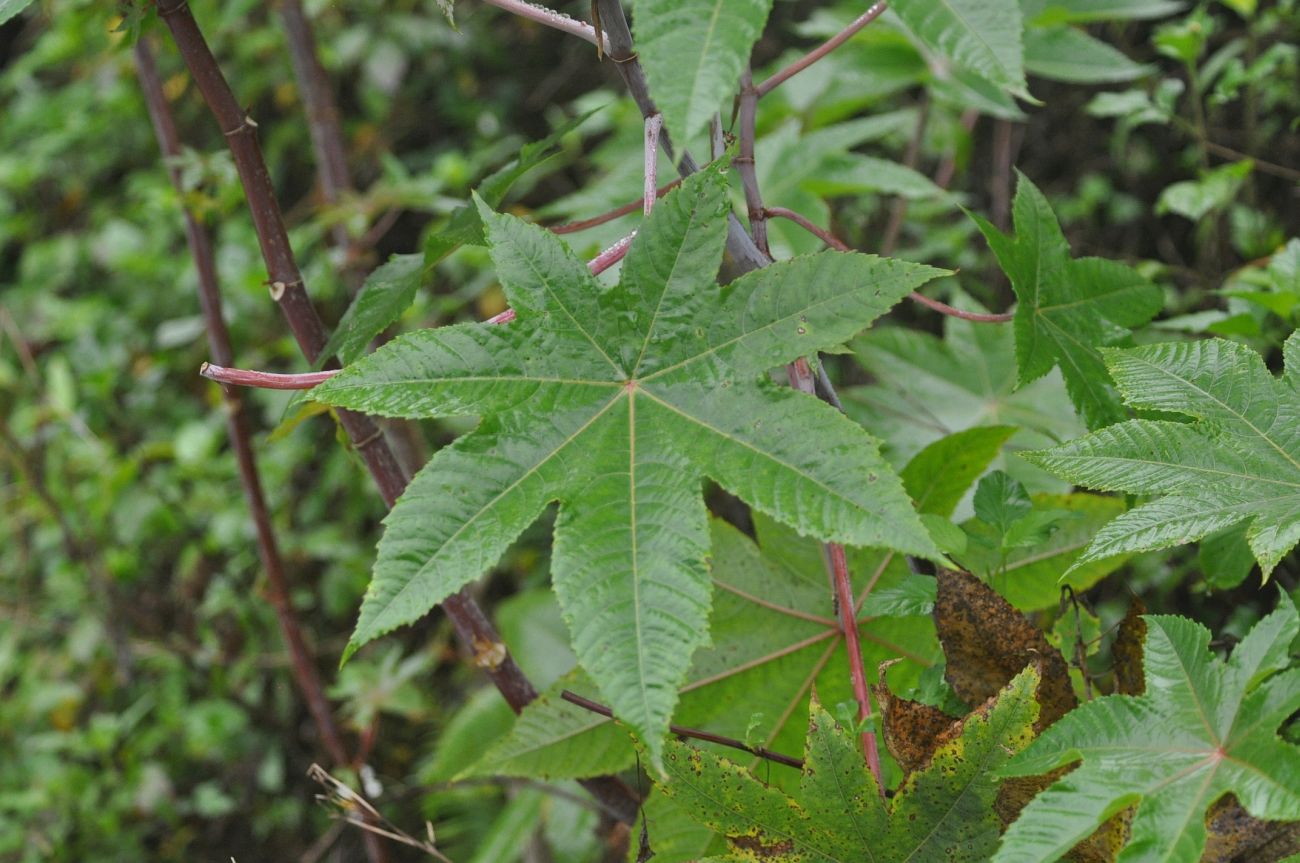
x,y
857,668
822,50
839,245
264,380
551,18
610,256
802,221
803,379
693,733
950,311
629,207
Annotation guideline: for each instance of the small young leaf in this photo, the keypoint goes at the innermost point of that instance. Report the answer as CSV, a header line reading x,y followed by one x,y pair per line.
x,y
1203,729
387,292
938,477
1067,308
1001,501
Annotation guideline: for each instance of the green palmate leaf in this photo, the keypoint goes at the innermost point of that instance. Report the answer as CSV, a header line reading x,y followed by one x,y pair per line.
x,y
1239,463
1067,308
1204,728
693,51
774,640
1070,54
942,812
617,403
980,35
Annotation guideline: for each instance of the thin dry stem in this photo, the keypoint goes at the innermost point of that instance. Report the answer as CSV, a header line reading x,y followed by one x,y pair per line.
x,y
693,733
821,50
839,245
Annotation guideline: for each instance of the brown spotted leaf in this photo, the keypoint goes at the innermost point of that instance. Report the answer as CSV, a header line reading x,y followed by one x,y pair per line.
x,y
1126,652
942,812
912,730
988,642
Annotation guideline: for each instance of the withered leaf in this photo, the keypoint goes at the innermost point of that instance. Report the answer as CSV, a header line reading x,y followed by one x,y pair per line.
x,y
1126,652
988,642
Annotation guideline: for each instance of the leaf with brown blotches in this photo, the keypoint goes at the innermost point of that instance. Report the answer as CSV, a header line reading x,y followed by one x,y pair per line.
x,y
1126,652
988,642
941,812
912,730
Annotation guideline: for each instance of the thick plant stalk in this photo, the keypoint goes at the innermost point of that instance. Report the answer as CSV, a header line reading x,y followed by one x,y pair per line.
x,y
322,120
745,163
200,244
287,289
305,673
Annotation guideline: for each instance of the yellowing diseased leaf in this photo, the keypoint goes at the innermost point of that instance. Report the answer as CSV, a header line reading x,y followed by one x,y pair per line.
x,y
943,811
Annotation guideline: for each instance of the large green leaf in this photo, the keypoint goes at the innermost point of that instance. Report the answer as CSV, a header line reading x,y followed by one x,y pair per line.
x,y
617,402
1238,463
774,640
693,52
1067,308
1204,728
942,812
980,35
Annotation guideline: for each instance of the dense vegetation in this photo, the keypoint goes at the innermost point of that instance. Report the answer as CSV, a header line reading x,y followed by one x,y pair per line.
x,y
913,477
